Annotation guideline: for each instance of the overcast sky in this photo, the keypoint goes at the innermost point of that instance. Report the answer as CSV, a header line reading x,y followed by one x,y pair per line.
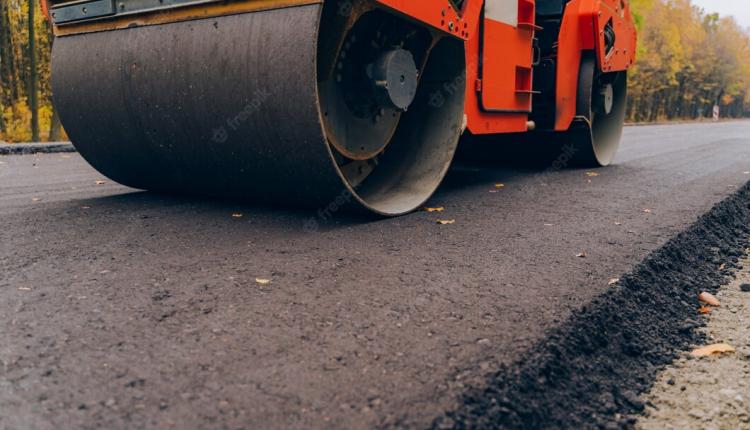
x,y
740,9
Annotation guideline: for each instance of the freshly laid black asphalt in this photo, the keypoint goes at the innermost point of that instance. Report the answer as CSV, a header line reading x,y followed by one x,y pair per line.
x,y
125,309
591,371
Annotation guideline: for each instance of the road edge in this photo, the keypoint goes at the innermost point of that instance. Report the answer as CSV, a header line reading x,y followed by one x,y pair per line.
x,y
36,148
589,372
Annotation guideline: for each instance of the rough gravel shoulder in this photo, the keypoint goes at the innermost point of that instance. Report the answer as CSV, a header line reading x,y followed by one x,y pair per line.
x,y
710,392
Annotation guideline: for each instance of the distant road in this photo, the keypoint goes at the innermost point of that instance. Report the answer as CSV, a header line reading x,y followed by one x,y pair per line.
x,y
125,309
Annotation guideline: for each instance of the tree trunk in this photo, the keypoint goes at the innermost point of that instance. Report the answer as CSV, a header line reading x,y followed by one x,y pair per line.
x,y
2,116
33,74
55,128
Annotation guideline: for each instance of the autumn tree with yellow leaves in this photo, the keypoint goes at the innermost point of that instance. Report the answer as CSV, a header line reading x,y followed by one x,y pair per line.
x,y
688,61
26,111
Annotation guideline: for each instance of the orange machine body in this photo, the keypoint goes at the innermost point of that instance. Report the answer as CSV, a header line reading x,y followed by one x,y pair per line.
x,y
502,52
500,37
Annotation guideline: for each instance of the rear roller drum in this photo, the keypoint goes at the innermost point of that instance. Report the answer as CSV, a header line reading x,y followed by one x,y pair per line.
x,y
302,105
601,108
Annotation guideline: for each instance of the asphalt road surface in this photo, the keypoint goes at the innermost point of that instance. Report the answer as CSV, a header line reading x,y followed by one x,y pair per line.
x,y
126,309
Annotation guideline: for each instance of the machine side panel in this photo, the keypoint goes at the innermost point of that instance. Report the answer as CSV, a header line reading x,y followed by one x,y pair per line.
x,y
507,56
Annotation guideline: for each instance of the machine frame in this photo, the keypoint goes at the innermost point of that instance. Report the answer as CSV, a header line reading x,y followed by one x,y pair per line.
x,y
582,29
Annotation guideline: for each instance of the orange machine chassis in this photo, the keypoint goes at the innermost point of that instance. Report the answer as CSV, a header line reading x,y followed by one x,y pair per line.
x,y
500,56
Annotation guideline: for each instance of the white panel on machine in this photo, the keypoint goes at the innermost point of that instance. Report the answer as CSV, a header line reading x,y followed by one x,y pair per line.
x,y
505,11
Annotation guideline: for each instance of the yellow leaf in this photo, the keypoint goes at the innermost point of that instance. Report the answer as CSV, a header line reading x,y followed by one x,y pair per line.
x,y
261,281
704,310
719,348
592,174
709,299
446,221
440,209
499,186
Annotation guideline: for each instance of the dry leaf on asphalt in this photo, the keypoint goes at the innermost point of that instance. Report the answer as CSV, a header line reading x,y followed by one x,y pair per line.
x,y
614,281
440,209
719,348
237,215
36,199
446,221
582,254
592,174
100,182
261,281
704,310
499,186
709,299
648,211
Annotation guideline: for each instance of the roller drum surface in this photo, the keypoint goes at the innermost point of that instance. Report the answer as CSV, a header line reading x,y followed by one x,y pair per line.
x,y
229,106
216,106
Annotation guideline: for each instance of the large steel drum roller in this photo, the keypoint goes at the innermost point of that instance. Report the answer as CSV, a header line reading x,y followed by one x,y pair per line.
x,y
362,107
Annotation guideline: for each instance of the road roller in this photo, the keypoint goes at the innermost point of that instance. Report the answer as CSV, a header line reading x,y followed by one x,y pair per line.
x,y
308,102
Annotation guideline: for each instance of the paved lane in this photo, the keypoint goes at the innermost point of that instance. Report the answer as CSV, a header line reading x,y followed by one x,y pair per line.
x,y
126,309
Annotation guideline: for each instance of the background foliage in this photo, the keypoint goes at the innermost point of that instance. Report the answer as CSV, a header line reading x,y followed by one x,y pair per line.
x,y
16,73
688,61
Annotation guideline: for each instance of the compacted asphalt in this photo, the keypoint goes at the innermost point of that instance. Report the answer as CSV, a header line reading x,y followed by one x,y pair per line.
x,y
128,309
